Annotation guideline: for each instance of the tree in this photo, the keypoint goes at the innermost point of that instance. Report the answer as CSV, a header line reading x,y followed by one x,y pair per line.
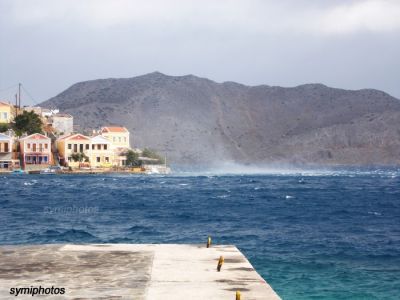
x,y
28,122
4,127
79,157
132,159
153,154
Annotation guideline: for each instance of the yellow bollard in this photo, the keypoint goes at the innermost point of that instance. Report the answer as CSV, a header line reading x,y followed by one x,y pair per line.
x,y
220,262
237,295
209,242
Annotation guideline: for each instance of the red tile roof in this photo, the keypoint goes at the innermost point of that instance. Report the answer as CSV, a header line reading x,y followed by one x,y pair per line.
x,y
114,129
2,103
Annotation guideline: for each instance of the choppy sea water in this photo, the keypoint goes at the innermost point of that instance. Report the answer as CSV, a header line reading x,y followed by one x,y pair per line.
x,y
327,235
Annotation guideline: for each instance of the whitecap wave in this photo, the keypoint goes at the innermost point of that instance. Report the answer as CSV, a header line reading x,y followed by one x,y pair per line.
x,y
231,168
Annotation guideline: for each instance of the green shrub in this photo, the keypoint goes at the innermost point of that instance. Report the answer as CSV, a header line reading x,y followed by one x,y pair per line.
x,y
149,153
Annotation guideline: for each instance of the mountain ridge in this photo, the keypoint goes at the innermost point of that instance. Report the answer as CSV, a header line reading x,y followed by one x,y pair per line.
x,y
199,121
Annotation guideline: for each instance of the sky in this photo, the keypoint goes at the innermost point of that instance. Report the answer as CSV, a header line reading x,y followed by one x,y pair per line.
x,y
48,45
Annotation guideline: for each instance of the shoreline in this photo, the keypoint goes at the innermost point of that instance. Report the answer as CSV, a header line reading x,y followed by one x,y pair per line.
x,y
83,173
47,171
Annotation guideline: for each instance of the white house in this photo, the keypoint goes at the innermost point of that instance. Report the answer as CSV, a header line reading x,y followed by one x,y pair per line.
x,y
7,160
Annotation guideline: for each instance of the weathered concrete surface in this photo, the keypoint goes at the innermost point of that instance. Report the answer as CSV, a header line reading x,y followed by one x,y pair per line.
x,y
128,271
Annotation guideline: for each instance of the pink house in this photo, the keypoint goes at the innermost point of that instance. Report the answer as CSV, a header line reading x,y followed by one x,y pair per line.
x,y
35,150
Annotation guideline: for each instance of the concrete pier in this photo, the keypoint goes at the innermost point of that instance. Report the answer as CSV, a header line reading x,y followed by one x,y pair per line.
x,y
130,271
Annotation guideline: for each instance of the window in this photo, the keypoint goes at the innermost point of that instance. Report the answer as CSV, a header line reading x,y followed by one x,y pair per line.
x,y
92,147
75,147
105,147
107,159
45,158
81,148
98,147
69,146
98,159
5,116
119,139
87,146
46,146
69,158
28,146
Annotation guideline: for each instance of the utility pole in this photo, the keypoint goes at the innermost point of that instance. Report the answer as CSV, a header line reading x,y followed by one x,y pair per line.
x,y
16,105
19,96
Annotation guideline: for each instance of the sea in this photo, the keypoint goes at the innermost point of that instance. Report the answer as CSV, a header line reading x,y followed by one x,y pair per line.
x,y
311,234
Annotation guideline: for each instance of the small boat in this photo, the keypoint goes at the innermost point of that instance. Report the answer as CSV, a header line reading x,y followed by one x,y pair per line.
x,y
18,171
51,170
48,171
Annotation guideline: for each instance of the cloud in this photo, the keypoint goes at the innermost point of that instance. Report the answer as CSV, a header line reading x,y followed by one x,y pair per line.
x,y
344,43
371,16
248,16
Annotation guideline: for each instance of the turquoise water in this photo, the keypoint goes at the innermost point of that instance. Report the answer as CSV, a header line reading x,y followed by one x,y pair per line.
x,y
310,235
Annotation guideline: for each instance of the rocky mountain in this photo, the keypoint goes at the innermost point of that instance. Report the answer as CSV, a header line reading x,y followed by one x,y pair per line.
x,y
196,120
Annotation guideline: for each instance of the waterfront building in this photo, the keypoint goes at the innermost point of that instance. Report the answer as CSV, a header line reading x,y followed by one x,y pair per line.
x,y
6,112
35,151
106,149
118,136
74,143
120,156
8,160
102,154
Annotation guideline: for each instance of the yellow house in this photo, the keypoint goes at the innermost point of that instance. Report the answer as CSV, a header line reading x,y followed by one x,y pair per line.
x,y
6,110
102,154
118,136
74,143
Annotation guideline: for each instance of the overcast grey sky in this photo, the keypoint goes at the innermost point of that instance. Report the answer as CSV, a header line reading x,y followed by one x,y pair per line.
x,y
50,44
